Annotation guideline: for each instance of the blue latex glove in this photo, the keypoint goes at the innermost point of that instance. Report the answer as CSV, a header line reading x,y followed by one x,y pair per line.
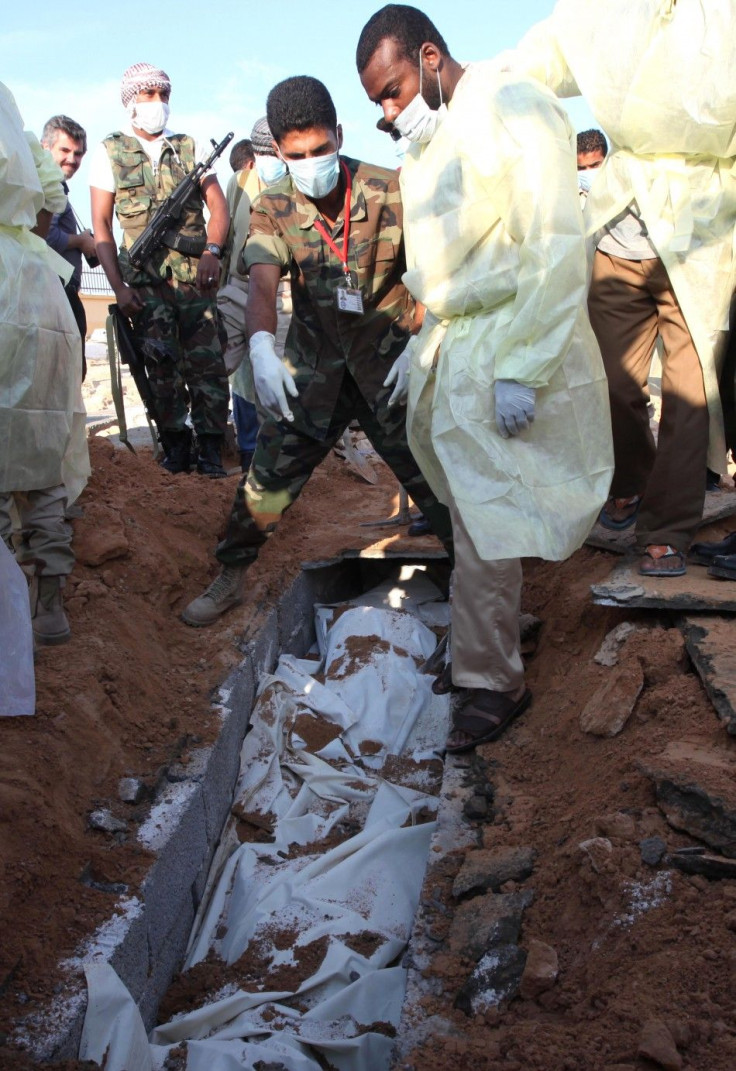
x,y
514,407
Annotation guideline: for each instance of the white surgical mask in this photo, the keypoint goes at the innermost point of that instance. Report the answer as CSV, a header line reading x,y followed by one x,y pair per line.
x,y
317,175
400,147
270,168
584,181
149,115
418,122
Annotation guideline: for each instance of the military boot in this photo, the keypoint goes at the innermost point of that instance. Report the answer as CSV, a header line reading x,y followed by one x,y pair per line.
x,y
209,461
226,590
48,620
178,454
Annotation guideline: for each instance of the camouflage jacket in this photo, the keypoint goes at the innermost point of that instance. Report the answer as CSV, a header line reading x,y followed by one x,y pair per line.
x,y
322,342
139,190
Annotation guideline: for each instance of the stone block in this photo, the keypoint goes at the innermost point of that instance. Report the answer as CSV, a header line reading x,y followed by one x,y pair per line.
x,y
490,868
540,971
486,921
610,706
696,792
494,981
657,1044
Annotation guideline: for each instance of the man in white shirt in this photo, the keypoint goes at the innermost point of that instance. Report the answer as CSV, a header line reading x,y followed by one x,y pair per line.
x,y
171,299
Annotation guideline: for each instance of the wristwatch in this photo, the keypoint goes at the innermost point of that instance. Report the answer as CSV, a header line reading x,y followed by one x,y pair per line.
x,y
214,249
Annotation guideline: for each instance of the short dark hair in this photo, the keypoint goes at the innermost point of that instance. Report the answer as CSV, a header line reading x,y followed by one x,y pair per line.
x,y
299,103
408,26
62,124
592,141
242,154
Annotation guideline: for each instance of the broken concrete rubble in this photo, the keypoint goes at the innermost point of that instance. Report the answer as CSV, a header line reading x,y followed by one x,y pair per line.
x,y
486,869
652,850
713,867
486,921
618,825
541,970
696,792
610,706
104,820
598,850
495,980
709,642
131,790
608,652
657,1044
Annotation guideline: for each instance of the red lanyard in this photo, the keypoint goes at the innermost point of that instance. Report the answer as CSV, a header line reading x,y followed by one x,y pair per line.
x,y
342,256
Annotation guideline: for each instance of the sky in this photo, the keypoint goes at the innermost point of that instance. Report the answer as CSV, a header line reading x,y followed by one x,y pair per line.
x,y
222,58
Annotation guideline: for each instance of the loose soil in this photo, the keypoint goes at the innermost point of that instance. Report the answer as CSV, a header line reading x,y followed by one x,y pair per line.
x,y
130,696
630,952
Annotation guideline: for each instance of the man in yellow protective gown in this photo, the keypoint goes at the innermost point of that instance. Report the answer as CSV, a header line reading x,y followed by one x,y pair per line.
x,y
508,410
44,461
660,78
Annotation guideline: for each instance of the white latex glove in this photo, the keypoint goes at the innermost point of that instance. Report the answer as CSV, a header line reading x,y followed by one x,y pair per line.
x,y
271,377
514,406
399,375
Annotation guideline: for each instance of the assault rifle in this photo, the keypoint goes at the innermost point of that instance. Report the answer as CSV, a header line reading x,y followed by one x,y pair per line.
x,y
122,349
162,228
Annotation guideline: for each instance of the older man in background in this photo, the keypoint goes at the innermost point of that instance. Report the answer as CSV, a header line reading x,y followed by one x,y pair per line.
x,y
67,143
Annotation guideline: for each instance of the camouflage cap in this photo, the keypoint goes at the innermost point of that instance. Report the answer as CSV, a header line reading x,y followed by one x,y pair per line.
x,y
262,138
142,76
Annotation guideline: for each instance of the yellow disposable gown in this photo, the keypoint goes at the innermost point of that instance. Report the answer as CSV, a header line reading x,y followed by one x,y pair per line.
x,y
660,78
496,251
42,431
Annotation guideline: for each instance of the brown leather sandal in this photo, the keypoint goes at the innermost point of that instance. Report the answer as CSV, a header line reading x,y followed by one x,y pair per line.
x,y
484,715
660,559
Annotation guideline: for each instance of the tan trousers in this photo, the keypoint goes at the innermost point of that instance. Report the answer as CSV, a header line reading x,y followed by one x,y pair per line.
x,y
631,302
45,538
486,602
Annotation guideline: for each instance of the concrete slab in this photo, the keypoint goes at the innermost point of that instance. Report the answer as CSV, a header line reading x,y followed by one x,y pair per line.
x,y
694,591
710,643
695,788
718,504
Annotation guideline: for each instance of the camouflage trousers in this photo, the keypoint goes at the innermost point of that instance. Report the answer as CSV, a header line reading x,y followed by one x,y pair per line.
x,y
180,335
285,458
44,539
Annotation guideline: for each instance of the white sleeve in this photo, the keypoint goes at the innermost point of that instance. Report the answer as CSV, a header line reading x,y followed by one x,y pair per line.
x,y
100,170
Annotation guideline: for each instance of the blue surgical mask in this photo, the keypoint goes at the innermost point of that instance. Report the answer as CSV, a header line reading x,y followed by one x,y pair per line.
x,y
584,181
316,176
270,169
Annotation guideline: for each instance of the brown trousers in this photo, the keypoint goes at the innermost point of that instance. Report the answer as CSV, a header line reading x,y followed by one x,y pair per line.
x,y
631,302
486,601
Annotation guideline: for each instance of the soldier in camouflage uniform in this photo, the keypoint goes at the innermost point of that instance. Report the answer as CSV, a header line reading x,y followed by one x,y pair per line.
x,y
171,300
338,365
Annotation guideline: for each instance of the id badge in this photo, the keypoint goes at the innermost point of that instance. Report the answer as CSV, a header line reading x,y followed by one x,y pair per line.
x,y
349,299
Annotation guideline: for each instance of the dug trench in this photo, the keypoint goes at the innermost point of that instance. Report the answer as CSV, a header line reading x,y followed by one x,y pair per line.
x,y
615,957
